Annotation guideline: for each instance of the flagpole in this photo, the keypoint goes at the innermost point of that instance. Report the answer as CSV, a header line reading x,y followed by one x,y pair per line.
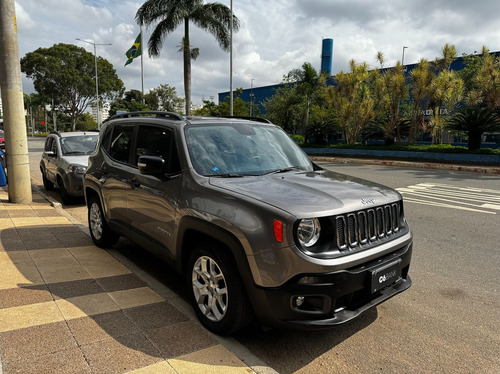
x,y
231,63
142,69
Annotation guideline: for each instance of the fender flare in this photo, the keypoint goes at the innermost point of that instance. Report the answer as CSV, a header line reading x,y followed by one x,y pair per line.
x,y
212,231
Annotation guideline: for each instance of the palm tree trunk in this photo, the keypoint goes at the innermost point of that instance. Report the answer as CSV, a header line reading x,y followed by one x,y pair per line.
x,y
187,67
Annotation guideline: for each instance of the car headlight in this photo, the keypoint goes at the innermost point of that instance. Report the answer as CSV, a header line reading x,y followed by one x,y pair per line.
x,y
308,231
77,169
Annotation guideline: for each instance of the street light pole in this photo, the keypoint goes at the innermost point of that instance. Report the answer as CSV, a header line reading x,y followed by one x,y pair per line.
x,y
403,57
251,97
96,80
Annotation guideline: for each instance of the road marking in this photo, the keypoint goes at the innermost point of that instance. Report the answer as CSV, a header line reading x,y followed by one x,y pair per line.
x,y
453,197
491,206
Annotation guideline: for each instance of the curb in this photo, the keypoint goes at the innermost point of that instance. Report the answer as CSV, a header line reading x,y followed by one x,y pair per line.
x,y
410,164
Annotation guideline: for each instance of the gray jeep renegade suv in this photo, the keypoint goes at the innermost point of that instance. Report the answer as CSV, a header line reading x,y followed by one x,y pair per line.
x,y
256,227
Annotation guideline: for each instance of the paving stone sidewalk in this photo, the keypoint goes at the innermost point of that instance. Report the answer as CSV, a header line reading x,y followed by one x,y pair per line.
x,y
67,306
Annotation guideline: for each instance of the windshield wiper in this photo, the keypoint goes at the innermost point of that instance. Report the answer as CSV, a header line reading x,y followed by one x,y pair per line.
x,y
228,175
283,170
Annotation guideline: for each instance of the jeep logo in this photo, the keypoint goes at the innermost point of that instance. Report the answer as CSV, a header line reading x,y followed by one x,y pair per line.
x,y
367,201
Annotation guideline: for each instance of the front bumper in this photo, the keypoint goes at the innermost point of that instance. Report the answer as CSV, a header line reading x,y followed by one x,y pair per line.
x,y
74,184
333,298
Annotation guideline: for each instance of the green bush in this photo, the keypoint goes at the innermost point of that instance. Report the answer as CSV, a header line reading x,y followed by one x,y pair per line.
x,y
299,139
436,148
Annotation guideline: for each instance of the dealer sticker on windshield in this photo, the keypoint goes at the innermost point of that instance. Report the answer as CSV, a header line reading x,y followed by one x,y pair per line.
x,y
386,275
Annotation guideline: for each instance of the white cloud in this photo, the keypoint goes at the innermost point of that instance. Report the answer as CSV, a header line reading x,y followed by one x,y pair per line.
x,y
275,36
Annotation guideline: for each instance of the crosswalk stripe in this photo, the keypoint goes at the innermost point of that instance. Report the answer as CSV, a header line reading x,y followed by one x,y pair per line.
x,y
464,198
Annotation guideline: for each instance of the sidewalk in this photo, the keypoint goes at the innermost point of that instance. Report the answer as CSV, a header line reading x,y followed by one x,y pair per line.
x,y
67,306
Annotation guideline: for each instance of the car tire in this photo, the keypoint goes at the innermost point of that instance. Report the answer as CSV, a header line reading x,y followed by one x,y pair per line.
x,y
101,234
65,197
217,292
48,185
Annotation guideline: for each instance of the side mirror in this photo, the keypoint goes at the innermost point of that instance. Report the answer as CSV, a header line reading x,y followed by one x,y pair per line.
x,y
151,165
50,153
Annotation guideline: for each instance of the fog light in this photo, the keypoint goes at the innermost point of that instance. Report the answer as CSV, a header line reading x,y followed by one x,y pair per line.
x,y
308,280
299,300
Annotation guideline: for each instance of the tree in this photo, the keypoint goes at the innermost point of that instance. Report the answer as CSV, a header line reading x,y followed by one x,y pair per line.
x,y
474,120
130,102
209,109
164,98
65,74
421,81
389,90
290,107
352,100
167,15
482,80
445,91
283,108
86,122
240,107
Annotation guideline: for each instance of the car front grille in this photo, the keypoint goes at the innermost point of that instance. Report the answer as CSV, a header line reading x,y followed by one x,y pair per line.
x,y
367,226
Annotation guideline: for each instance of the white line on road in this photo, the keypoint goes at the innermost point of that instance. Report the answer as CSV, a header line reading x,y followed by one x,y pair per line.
x,y
464,198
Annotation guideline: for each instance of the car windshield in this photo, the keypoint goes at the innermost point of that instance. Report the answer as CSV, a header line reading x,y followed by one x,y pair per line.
x,y
239,149
79,145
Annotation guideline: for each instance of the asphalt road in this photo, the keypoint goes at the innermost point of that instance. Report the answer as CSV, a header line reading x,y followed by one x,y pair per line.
x,y
448,322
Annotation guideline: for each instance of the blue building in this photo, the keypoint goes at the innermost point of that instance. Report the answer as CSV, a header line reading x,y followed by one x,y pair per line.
x,y
259,95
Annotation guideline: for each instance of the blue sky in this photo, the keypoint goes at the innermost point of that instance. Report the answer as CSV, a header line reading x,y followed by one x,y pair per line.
x,y
275,37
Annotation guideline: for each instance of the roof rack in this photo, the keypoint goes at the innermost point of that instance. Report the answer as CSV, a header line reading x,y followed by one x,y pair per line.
x,y
256,119
156,114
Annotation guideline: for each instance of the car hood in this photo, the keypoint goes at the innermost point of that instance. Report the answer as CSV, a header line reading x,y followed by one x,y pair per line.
x,y
309,194
76,159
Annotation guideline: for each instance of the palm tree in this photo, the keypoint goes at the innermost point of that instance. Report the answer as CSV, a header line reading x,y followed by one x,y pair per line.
x,y
475,120
167,15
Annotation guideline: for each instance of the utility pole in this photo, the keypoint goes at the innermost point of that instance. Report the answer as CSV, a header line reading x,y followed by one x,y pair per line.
x,y
16,141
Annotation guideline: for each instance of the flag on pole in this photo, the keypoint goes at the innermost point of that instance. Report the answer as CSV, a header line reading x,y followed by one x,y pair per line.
x,y
134,51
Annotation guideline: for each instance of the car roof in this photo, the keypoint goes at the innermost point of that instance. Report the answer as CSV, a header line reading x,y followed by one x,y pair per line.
x,y
191,120
74,133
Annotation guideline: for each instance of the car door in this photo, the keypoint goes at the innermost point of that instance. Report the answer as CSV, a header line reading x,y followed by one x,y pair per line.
x,y
116,173
52,155
152,201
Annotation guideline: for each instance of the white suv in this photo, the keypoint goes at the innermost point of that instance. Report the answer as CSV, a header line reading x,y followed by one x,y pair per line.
x,y
64,161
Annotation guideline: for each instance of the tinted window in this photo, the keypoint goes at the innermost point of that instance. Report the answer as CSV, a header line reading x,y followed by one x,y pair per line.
x,y
48,143
157,141
121,138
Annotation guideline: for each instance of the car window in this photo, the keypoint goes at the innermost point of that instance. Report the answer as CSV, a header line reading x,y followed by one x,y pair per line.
x,y
157,141
48,144
78,145
242,149
121,137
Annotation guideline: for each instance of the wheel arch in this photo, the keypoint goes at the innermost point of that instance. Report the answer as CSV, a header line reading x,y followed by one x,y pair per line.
x,y
193,231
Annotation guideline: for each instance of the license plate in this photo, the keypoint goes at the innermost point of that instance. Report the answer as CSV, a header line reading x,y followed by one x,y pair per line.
x,y
386,275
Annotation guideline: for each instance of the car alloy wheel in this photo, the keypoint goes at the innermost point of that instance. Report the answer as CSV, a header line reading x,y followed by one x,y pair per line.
x,y
217,292
101,234
95,221
209,288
